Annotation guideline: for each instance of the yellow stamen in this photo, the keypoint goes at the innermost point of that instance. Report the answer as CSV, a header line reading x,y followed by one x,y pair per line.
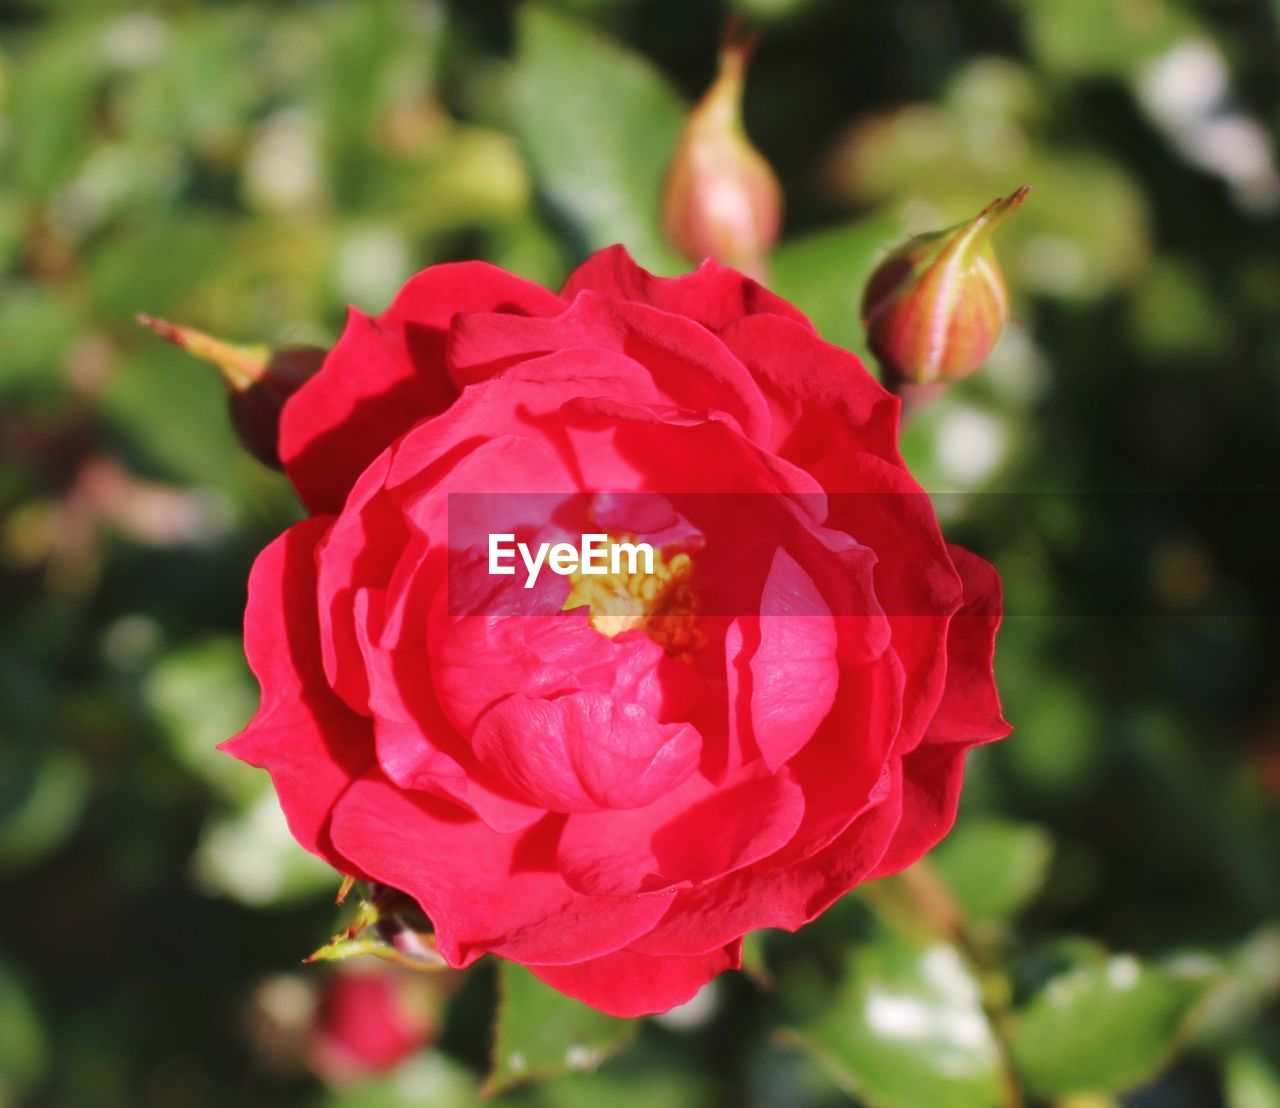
x,y
661,603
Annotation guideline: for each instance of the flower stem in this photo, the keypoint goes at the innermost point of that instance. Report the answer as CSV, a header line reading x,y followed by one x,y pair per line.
x,y
914,397
938,909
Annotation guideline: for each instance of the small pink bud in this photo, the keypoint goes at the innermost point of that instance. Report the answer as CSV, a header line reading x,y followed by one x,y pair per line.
x,y
934,308
259,380
722,199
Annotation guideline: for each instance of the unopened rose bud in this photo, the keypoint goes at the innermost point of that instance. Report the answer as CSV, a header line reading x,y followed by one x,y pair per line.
x,y
259,380
368,1021
722,199
934,308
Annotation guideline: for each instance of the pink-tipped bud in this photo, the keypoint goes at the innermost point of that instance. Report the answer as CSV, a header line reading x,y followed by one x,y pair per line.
x,y
722,199
259,380
934,308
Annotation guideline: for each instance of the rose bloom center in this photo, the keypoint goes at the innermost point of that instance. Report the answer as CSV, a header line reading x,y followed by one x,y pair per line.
x,y
661,603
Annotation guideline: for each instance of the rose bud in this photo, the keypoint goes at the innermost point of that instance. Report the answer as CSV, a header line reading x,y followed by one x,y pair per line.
x,y
259,380
722,199
368,1021
934,308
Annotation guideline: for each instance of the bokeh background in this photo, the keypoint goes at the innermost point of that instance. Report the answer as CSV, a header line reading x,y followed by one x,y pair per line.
x,y
252,168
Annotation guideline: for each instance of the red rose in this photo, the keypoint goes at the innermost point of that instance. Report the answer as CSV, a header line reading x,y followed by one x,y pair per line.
x,y
613,796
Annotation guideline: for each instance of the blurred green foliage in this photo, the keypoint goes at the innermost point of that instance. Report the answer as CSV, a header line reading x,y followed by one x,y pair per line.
x,y
253,168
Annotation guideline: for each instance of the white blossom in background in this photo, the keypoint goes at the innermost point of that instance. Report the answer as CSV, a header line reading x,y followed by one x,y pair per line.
x,y
969,445
1186,92
283,173
372,262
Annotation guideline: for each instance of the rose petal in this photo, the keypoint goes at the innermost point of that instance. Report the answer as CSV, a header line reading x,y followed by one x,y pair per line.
x,y
783,897
843,764
794,673
713,295
527,402
968,715
484,892
821,398
970,708
311,743
419,749
931,781
626,984
585,751
889,512
623,444
361,549
690,367
386,373
694,833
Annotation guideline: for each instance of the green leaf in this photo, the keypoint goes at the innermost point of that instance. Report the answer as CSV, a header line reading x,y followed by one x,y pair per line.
x,y
639,1081
41,800
994,868
24,1053
599,125
1102,1026
36,329
755,962
1101,37
1252,1081
52,108
171,410
824,274
201,695
429,1078
251,857
155,262
542,1033
908,1029
1248,986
